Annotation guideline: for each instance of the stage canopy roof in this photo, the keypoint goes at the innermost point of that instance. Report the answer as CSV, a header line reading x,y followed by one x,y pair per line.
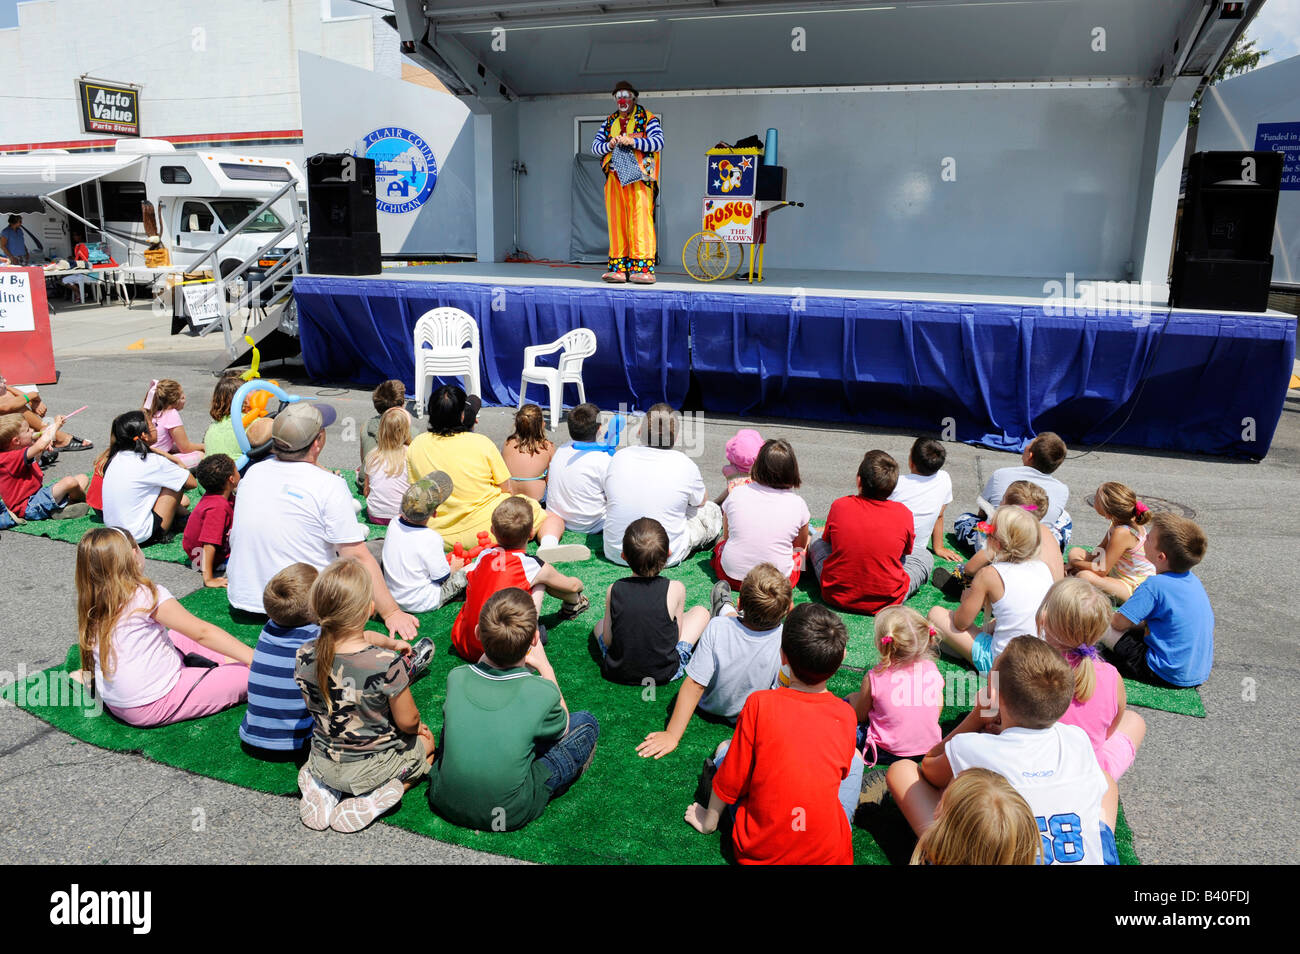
x,y
585,47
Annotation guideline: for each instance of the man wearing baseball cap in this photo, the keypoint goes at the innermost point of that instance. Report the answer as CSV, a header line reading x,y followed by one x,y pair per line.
x,y
291,510
629,142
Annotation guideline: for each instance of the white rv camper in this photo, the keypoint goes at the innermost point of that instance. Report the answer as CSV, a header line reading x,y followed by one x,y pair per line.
x,y
199,197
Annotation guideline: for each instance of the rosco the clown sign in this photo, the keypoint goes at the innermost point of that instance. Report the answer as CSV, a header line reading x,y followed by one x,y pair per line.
x,y
733,220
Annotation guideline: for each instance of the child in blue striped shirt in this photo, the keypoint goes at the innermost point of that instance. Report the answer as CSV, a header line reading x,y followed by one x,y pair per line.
x,y
277,724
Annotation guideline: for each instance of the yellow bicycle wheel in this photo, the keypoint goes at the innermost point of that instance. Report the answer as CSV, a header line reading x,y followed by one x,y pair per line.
x,y
705,256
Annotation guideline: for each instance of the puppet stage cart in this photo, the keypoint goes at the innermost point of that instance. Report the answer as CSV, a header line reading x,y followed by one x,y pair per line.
x,y
740,194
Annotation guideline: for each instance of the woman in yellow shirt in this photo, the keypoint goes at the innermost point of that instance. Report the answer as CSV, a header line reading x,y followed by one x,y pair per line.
x,y
479,476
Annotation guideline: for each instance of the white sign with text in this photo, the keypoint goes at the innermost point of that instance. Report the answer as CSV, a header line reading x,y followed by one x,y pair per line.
x,y
16,303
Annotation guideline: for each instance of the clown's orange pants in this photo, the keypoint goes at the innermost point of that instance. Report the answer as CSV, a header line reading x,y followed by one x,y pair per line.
x,y
630,211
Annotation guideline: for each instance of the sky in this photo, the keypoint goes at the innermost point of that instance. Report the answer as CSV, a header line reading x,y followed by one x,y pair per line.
x,y
1276,28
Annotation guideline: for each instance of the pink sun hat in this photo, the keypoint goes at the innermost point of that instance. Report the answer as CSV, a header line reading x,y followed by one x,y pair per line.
x,y
743,448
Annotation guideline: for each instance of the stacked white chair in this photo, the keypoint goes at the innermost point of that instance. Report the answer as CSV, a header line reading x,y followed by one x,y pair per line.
x,y
446,343
577,346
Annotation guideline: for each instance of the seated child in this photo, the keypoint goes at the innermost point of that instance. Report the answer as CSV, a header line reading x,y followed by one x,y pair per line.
x,y
1051,765
648,632
1040,459
1073,619
737,654
206,537
575,491
927,491
741,450
528,453
1177,648
980,820
163,404
865,559
416,568
1027,496
764,520
509,743
385,478
277,719
21,476
368,741
142,488
220,438
1009,591
899,703
791,756
506,565
154,662
1118,566
389,394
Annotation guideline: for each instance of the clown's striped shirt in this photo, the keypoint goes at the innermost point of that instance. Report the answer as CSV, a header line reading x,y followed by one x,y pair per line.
x,y
652,141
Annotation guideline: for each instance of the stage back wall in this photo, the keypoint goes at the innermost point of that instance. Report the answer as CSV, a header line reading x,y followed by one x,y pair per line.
x,y
1045,179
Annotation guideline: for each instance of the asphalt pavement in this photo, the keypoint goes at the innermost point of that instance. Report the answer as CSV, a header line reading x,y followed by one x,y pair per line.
x,y
1213,790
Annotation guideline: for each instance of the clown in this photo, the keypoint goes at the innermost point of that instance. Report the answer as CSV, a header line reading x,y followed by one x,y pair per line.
x,y
629,142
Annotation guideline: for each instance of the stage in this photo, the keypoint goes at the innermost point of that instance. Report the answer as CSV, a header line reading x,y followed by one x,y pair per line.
x,y
980,359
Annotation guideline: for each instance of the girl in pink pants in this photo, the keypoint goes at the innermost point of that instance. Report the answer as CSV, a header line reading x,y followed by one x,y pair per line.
x,y
154,662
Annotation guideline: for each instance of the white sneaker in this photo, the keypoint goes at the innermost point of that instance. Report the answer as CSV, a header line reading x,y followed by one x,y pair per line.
x,y
354,814
318,801
563,553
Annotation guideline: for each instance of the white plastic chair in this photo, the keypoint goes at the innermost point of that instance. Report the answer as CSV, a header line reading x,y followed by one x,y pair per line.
x,y
577,345
446,332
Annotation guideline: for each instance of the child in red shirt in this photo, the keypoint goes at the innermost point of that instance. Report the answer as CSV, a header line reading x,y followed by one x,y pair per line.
x,y
206,539
864,559
506,565
791,770
21,476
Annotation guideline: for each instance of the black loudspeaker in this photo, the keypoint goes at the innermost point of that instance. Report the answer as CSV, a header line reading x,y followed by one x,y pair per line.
x,y
1223,257
1220,283
341,195
771,183
355,254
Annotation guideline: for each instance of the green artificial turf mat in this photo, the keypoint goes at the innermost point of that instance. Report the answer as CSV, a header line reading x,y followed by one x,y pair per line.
x,y
71,531
625,810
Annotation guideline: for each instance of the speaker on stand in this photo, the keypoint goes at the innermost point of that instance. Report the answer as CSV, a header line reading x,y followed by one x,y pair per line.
x,y
1223,259
341,210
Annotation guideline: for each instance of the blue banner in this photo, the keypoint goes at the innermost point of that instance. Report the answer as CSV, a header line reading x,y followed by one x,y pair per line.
x,y
1283,138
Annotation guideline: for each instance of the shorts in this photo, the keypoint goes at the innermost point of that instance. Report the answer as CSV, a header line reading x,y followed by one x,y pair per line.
x,y
42,505
981,652
684,651
1116,755
157,534
1109,850
1129,655
407,763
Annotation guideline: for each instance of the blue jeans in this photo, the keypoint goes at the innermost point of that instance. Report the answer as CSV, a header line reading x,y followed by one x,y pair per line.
x,y
567,758
850,788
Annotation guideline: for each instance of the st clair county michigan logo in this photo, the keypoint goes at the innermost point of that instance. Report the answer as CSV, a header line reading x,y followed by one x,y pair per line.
x,y
405,169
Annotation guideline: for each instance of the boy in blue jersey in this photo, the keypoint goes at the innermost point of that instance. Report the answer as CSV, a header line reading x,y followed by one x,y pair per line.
x,y
277,724
1175,647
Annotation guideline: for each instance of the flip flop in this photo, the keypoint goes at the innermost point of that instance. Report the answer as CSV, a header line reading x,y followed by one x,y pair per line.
x,y
76,444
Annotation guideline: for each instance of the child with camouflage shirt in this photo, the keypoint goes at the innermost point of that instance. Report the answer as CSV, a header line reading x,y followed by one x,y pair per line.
x,y
368,741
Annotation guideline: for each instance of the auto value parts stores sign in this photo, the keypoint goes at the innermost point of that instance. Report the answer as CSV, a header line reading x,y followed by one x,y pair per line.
x,y
109,107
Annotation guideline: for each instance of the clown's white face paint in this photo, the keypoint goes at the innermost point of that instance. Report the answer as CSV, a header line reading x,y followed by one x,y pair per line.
x,y
624,100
